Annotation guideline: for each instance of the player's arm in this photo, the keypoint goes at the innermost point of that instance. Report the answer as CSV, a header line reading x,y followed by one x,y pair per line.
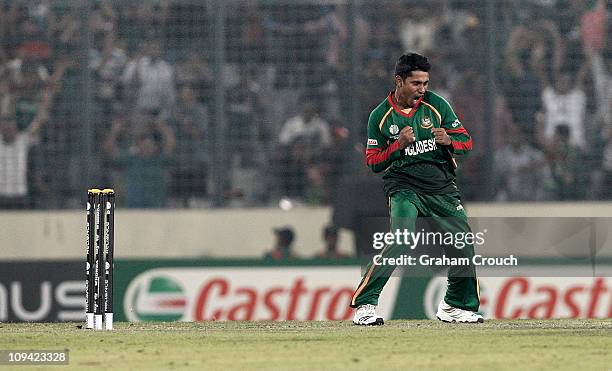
x,y
460,139
43,112
110,144
168,137
513,49
379,153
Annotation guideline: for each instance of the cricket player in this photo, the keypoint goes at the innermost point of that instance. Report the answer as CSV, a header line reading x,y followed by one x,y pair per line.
x,y
412,136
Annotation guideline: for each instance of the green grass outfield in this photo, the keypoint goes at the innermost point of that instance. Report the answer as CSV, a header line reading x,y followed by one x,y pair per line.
x,y
523,344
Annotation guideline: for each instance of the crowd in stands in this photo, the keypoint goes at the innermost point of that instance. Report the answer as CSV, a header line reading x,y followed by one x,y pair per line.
x,y
133,86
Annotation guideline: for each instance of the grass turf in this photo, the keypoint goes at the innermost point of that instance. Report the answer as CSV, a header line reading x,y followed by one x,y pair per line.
x,y
522,344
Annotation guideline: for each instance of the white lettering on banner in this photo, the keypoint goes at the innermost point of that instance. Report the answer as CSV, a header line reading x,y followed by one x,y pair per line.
x,y
3,307
253,293
68,295
580,299
535,297
210,302
35,315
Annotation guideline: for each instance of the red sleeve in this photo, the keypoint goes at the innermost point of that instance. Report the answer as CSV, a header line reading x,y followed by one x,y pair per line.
x,y
460,139
378,159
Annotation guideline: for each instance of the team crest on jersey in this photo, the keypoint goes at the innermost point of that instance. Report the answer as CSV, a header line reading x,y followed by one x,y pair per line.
x,y
393,129
426,123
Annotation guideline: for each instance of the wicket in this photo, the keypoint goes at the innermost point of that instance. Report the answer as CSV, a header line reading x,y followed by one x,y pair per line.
x,y
100,250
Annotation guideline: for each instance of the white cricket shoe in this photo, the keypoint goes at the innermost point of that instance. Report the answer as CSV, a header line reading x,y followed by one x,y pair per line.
x,y
446,313
365,315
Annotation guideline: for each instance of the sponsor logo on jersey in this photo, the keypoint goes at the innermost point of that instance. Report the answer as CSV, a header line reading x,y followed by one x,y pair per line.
x,y
426,123
456,123
422,146
372,142
460,207
393,129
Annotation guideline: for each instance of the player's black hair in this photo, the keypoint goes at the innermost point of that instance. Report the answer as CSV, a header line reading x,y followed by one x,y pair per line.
x,y
411,62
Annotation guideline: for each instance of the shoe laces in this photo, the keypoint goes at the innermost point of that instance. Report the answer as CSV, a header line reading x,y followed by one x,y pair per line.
x,y
367,308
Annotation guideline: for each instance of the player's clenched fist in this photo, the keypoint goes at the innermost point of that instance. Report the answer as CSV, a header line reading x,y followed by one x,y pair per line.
x,y
441,136
406,136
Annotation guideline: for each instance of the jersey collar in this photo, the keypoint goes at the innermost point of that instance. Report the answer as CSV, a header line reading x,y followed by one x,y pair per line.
x,y
408,112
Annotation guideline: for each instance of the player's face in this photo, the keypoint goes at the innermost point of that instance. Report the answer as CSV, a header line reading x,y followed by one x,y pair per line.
x,y
411,88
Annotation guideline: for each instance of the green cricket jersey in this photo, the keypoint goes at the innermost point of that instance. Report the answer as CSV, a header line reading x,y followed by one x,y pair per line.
x,y
424,166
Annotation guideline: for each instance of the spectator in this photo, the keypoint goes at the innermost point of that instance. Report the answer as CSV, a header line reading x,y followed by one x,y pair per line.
x,y
190,122
14,151
26,94
525,61
245,116
383,40
331,29
471,169
520,169
104,18
151,79
143,161
566,164
65,26
30,38
27,76
330,249
335,162
455,39
564,102
601,123
148,18
306,126
67,77
196,72
375,82
252,32
282,250
601,74
108,60
303,139
418,26
185,24
26,68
